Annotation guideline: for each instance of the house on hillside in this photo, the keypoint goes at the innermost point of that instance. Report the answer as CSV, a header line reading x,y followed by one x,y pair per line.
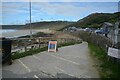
x,y
114,33
71,29
106,28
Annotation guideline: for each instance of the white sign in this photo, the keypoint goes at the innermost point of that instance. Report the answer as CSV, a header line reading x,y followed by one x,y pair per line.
x,y
52,46
114,52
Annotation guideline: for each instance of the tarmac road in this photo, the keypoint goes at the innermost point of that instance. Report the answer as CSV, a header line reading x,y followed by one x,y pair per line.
x,y
69,62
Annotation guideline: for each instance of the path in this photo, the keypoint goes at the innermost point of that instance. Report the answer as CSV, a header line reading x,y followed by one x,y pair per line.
x,y
68,62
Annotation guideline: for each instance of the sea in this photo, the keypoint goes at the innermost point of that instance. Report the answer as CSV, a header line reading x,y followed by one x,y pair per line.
x,y
6,31
14,33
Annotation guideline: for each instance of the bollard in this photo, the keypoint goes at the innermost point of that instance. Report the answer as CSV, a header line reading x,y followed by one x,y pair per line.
x,y
6,50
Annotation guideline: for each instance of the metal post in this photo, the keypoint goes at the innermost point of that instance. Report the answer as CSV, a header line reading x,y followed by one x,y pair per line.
x,y
30,24
30,20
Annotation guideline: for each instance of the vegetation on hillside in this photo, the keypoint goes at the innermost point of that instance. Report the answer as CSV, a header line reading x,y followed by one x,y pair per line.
x,y
95,20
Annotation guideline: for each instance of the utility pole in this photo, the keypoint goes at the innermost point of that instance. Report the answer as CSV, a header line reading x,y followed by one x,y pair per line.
x,y
30,26
30,20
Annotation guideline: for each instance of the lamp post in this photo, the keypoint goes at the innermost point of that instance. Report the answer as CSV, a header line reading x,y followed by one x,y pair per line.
x,y
30,20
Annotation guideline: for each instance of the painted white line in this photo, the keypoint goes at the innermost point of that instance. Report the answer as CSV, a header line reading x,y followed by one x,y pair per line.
x,y
24,77
56,67
36,57
24,65
36,76
64,71
64,59
60,69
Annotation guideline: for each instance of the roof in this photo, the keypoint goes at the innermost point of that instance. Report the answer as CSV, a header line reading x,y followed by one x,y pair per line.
x,y
108,24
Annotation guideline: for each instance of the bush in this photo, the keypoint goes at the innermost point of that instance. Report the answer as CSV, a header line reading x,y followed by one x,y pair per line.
x,y
18,55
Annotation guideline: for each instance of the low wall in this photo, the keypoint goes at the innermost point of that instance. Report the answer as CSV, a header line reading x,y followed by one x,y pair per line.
x,y
102,41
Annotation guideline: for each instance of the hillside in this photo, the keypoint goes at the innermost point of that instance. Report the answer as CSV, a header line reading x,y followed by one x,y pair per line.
x,y
11,26
54,25
95,20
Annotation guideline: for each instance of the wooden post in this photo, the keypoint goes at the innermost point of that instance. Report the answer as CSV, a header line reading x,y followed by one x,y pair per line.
x,y
39,43
32,47
25,48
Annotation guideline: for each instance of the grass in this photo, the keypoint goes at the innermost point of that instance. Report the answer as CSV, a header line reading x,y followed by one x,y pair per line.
x,y
107,68
18,55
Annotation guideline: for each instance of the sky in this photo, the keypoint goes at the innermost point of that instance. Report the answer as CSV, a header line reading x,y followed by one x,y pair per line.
x,y
18,12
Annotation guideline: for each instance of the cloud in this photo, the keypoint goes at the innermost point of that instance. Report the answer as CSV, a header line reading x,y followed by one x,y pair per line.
x,y
72,9
14,8
64,9
60,0
55,10
60,8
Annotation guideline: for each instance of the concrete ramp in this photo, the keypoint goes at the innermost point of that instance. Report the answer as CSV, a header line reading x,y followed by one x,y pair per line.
x,y
69,62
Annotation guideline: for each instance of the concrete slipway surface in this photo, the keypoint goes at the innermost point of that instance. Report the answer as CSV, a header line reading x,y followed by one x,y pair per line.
x,y
69,62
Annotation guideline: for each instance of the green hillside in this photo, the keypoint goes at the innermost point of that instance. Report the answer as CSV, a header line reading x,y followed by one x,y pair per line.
x,y
95,20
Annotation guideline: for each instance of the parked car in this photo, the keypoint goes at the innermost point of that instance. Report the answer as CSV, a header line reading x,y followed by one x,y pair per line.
x,y
88,30
99,31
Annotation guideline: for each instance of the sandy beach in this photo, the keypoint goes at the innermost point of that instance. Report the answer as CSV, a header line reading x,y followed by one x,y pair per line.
x,y
19,33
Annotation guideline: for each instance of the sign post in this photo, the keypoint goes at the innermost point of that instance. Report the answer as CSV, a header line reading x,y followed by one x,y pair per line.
x,y
52,46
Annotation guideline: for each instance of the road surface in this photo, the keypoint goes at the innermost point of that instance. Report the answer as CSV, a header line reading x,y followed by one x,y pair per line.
x,y
69,62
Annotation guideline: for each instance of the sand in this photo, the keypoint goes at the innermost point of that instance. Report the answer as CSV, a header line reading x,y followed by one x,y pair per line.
x,y
19,33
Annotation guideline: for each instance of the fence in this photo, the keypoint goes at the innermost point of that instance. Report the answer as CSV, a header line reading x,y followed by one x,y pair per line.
x,y
25,44
102,41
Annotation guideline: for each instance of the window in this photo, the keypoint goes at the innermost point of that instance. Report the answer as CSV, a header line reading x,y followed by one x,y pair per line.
x,y
119,32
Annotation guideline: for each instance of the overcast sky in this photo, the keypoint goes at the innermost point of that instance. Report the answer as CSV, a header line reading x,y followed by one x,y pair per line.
x,y
18,12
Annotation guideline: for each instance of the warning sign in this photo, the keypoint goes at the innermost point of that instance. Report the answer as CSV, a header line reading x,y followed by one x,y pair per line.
x,y
114,52
52,46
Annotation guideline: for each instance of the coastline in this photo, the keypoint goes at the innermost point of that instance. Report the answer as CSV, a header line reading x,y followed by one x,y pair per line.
x,y
19,33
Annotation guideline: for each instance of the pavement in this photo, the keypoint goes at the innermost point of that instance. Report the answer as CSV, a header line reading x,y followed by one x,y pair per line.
x,y
69,62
